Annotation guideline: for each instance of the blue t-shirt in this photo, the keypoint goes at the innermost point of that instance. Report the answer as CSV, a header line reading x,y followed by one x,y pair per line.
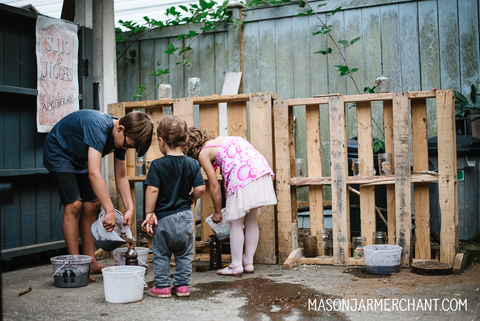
x,y
174,176
66,146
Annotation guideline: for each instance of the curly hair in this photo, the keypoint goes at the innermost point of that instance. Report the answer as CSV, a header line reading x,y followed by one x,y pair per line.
x,y
197,137
173,130
139,127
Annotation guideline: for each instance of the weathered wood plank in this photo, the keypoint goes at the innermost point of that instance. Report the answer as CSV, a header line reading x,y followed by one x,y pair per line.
x,y
237,119
314,154
340,202
250,45
365,153
390,189
421,191
448,34
403,196
282,186
183,107
262,140
429,56
266,57
468,28
283,39
447,183
410,54
367,181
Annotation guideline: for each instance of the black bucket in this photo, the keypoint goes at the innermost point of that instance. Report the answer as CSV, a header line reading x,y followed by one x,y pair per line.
x,y
71,271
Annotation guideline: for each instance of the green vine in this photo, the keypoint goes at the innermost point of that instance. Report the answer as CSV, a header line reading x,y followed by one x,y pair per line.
x,y
325,29
209,13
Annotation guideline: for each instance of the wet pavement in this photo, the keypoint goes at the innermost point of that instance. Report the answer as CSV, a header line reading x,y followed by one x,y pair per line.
x,y
271,293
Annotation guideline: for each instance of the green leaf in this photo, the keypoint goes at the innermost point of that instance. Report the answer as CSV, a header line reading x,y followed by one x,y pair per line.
x,y
461,97
309,11
171,49
343,42
473,94
132,53
183,8
336,10
369,90
301,14
378,145
353,70
355,40
324,52
342,68
119,38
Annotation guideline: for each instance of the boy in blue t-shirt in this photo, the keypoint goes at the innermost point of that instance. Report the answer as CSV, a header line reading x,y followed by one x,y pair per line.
x,y
73,153
168,201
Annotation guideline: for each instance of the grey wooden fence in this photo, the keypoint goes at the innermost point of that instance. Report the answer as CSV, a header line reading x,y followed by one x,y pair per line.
x,y
420,45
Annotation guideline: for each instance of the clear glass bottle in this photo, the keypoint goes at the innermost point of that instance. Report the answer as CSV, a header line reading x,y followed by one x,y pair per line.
x,y
131,255
327,241
385,162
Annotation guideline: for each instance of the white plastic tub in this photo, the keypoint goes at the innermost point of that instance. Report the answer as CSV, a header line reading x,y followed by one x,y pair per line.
x,y
382,258
119,255
124,284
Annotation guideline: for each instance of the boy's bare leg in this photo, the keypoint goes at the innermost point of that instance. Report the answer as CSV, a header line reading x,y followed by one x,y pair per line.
x,y
88,217
71,213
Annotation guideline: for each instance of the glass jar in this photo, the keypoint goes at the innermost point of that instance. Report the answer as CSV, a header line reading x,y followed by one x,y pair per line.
x,y
357,246
382,84
381,237
385,163
165,91
300,167
356,163
372,171
194,87
327,242
140,167
131,255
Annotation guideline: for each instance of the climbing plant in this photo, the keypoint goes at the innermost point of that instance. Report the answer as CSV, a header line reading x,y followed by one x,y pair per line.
x,y
340,45
208,13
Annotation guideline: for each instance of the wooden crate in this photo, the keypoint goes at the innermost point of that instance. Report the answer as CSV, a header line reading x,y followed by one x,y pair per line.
x,y
397,122
261,137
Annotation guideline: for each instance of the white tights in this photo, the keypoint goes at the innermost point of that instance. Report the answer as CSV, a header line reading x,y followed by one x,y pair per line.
x,y
237,238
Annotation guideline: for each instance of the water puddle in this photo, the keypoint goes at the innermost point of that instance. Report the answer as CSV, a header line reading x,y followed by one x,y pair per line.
x,y
269,298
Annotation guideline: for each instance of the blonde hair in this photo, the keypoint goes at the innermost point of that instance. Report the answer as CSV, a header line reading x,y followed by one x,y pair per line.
x,y
173,130
197,137
138,127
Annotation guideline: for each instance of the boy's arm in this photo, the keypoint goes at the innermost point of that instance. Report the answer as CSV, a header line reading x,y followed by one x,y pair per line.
x,y
123,186
100,188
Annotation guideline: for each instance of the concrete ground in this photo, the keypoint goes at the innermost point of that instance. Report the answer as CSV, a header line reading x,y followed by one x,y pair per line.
x,y
271,293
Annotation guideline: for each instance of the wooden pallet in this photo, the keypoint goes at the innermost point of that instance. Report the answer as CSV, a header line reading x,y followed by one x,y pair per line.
x,y
261,137
398,186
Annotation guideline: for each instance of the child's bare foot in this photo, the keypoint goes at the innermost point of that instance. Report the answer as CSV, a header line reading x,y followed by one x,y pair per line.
x,y
91,278
96,268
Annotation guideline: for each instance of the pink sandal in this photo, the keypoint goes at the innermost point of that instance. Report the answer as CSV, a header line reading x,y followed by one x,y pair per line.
x,y
248,268
231,271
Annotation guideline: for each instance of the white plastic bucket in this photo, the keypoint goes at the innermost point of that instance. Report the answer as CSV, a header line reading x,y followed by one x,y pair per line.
x,y
124,284
109,241
71,271
119,255
382,258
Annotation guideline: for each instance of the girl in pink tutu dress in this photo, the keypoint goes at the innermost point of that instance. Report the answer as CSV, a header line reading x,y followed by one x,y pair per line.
x,y
248,185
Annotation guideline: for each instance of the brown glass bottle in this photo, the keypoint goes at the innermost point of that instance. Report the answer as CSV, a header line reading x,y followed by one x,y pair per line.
x,y
215,253
131,256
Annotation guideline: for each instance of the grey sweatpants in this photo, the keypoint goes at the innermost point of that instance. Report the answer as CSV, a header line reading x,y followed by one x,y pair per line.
x,y
173,234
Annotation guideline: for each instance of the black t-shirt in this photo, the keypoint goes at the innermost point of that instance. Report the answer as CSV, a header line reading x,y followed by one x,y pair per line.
x,y
174,176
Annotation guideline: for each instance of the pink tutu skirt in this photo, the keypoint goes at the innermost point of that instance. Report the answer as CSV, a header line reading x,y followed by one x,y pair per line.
x,y
258,193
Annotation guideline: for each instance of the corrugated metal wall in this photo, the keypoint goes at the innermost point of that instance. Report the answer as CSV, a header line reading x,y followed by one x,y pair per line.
x,y
420,45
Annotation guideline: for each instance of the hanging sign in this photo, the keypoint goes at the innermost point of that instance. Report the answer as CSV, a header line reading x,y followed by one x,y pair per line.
x,y
57,71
